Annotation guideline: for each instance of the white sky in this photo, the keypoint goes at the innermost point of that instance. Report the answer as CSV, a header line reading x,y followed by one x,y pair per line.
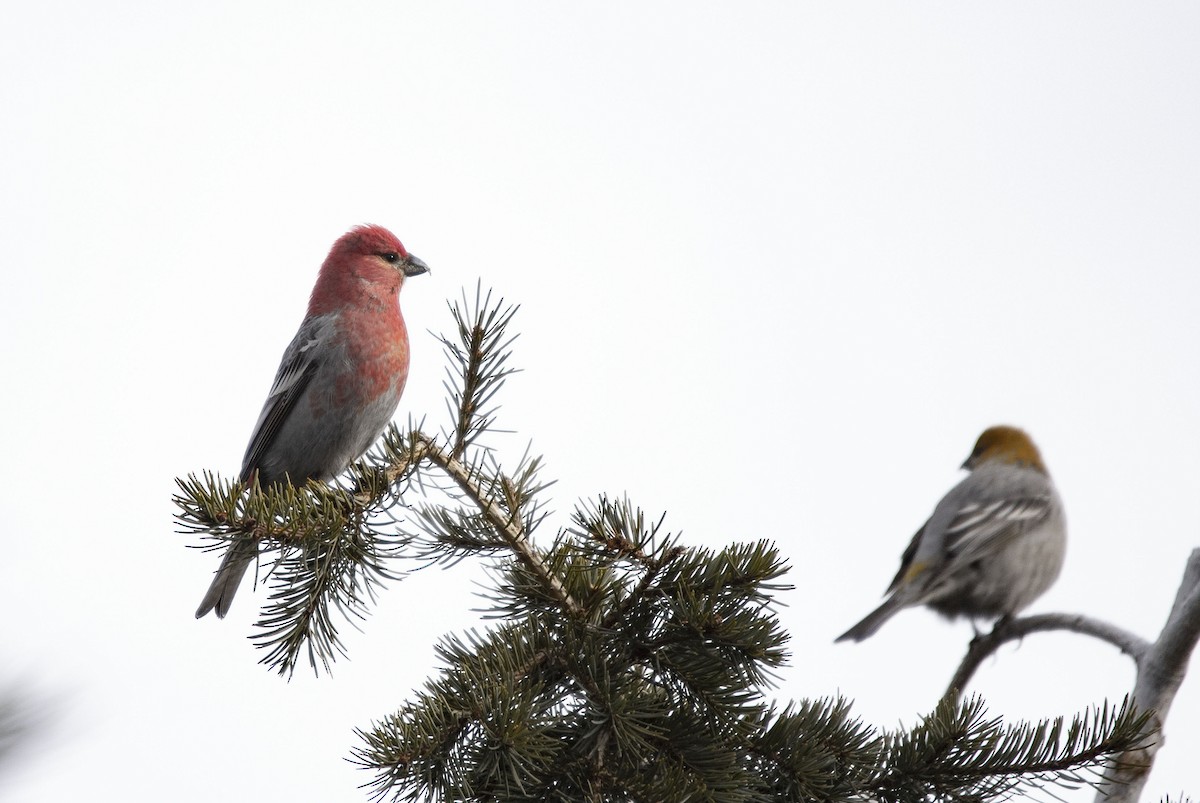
x,y
778,265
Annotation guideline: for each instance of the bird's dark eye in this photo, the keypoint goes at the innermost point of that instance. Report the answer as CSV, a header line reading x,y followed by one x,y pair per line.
x,y
391,256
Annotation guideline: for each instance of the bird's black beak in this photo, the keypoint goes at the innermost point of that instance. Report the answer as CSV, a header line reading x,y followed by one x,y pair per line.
x,y
414,266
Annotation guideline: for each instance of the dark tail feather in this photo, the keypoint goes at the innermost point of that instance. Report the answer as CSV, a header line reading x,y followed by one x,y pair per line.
x,y
220,594
874,620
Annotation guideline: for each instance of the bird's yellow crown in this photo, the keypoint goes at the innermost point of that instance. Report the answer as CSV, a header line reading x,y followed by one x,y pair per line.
x,y
1006,444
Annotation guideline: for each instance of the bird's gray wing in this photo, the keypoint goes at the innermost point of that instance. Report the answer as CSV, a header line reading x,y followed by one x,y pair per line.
x,y
300,362
983,528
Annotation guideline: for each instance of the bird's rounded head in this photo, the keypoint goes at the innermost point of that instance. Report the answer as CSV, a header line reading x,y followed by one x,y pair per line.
x,y
368,240
1005,444
367,263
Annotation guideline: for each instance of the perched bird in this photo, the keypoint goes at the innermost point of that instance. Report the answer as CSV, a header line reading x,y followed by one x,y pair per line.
x,y
338,385
993,545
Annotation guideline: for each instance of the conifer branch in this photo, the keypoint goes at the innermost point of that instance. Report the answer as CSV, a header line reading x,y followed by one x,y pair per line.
x,y
478,365
955,751
509,525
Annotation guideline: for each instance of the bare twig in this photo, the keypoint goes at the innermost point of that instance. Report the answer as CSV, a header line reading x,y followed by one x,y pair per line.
x,y
1007,630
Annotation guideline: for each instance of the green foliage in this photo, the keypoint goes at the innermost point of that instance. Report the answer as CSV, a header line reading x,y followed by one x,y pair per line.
x,y
956,747
623,665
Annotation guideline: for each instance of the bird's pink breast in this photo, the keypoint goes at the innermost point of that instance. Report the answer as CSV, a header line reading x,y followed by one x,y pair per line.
x,y
376,355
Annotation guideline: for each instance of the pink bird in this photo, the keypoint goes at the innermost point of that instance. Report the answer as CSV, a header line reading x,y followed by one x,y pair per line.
x,y
338,385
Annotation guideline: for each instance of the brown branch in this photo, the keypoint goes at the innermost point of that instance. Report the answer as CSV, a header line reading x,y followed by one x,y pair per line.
x,y
510,527
416,453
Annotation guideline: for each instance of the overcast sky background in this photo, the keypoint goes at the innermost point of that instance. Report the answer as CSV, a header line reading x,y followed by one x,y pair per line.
x,y
778,265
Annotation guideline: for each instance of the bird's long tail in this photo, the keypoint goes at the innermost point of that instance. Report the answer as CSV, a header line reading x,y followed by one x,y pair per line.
x,y
229,576
874,620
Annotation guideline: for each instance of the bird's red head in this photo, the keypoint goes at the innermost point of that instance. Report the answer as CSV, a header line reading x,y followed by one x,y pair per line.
x,y
366,265
367,241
